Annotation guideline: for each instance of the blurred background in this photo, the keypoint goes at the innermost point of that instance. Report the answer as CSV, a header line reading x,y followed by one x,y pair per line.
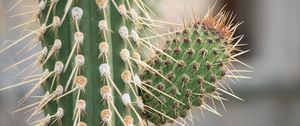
x,y
272,32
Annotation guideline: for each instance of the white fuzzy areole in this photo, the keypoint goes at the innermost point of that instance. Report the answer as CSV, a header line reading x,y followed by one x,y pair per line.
x,y
103,47
57,44
104,70
122,10
81,104
106,115
123,31
59,67
44,51
78,37
125,55
77,13
137,80
135,36
56,22
59,90
126,99
42,5
79,59
102,4
103,25
59,113
106,92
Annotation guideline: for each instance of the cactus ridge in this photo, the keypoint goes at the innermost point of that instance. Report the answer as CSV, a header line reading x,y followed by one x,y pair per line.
x,y
96,70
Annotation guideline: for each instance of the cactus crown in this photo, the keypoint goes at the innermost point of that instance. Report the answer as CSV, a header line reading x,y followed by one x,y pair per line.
x,y
96,71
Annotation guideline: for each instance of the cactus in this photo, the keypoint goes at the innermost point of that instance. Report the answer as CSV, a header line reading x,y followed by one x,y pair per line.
x,y
96,71
202,53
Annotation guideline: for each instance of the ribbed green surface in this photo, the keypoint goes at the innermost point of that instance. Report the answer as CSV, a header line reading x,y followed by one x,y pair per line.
x,y
89,49
65,34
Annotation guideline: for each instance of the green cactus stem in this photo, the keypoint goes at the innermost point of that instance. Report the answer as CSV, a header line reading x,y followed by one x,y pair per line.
x,y
97,72
204,51
93,34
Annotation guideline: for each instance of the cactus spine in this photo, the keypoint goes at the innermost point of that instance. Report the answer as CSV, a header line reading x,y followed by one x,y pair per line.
x,y
95,70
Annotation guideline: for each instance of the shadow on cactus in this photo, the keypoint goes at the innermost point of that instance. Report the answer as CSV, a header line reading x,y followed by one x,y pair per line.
x,y
96,71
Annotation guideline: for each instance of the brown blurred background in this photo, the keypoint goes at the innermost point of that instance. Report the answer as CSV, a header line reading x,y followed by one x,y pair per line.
x,y
272,32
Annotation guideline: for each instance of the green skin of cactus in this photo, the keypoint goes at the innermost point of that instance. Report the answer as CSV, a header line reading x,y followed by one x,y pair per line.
x,y
200,53
89,49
